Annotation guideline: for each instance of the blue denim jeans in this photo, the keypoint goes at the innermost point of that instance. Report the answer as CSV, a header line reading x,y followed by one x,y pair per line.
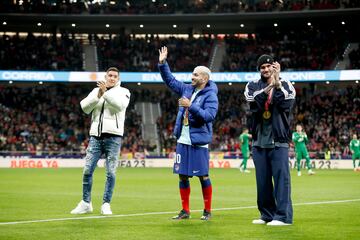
x,y
110,147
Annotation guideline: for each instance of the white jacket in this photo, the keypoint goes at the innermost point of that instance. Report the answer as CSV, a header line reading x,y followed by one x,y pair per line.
x,y
108,111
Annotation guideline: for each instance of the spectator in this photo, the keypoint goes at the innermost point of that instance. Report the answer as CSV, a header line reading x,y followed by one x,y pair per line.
x,y
40,53
168,6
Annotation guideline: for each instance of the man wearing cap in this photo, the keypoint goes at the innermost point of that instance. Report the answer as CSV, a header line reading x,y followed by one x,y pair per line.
x,y
271,100
198,105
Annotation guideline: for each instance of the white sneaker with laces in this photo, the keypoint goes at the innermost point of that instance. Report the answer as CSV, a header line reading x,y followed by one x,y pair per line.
x,y
105,209
299,174
258,221
311,172
82,208
277,223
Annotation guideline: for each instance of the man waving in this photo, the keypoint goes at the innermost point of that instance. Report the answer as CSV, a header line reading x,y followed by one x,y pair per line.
x,y
198,105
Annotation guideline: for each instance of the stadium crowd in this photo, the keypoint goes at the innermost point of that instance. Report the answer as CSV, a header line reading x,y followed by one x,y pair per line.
x,y
330,117
354,57
296,50
137,54
40,53
300,50
168,6
125,51
53,124
48,120
327,116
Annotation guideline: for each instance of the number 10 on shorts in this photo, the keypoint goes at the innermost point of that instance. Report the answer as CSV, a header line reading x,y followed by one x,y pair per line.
x,y
178,158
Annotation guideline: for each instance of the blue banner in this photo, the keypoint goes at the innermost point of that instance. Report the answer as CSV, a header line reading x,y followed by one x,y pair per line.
x,y
135,77
34,76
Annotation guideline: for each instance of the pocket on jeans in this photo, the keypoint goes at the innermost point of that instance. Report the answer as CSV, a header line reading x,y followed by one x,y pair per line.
x,y
115,140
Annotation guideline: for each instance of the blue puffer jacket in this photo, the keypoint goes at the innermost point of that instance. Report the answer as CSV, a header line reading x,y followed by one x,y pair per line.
x,y
202,111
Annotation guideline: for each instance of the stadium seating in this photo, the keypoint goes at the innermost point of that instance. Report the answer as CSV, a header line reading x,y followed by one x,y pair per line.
x,y
169,6
52,124
307,50
56,125
295,50
40,53
139,54
354,57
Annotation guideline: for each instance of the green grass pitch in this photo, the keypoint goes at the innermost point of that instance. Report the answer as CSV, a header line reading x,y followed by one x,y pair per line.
x,y
38,194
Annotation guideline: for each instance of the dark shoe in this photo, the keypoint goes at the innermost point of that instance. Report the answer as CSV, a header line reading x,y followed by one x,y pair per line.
x,y
206,216
182,215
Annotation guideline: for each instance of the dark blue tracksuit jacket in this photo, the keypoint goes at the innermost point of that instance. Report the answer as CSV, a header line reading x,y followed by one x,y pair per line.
x,y
282,101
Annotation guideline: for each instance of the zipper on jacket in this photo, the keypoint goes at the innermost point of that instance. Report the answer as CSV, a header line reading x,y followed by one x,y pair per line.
x,y
117,125
100,119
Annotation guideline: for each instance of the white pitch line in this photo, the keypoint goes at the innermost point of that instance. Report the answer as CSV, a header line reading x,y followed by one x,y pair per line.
x,y
163,213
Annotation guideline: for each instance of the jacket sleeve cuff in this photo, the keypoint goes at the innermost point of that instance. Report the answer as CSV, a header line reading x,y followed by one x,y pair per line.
x,y
162,64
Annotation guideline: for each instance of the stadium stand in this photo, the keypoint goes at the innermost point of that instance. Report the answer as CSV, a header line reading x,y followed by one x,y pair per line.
x,y
296,50
169,6
54,125
330,116
327,116
354,57
137,54
40,53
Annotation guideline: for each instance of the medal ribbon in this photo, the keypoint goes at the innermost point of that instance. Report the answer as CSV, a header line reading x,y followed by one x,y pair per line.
x,y
268,101
186,118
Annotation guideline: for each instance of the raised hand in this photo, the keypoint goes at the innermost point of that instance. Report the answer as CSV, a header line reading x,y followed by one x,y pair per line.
x,y
276,74
276,67
163,52
102,88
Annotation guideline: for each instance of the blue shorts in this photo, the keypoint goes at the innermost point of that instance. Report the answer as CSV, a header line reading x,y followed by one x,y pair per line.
x,y
191,160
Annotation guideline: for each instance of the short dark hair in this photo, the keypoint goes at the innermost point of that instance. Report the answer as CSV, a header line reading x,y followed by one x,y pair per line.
x,y
112,69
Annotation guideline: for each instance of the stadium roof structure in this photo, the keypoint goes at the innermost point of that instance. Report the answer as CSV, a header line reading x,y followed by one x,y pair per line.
x,y
216,23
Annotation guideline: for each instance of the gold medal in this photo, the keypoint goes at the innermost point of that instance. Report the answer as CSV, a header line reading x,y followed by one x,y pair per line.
x,y
266,114
186,118
186,121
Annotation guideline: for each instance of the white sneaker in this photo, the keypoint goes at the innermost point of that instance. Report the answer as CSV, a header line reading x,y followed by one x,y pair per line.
x,y
242,170
105,209
311,172
277,223
82,208
299,174
258,221
247,171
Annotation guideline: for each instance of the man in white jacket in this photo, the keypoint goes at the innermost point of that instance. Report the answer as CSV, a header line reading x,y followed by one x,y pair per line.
x,y
107,104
